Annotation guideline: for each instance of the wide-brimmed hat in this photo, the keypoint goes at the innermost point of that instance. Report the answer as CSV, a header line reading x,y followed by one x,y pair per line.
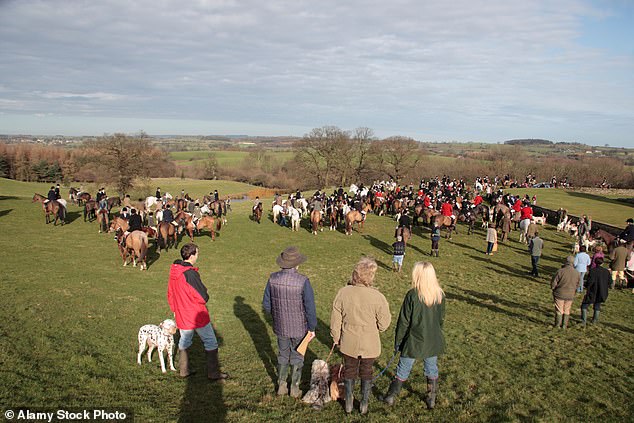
x,y
290,258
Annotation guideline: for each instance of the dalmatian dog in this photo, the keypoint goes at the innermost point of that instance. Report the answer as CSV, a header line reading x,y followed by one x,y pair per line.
x,y
161,337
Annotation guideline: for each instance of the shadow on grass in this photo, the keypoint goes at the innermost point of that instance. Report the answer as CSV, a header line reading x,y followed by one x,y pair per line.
x,y
257,330
7,197
202,399
72,216
511,271
377,243
492,307
594,197
5,212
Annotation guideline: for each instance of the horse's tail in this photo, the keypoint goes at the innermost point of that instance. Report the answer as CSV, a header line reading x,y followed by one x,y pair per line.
x,y
143,250
159,238
219,224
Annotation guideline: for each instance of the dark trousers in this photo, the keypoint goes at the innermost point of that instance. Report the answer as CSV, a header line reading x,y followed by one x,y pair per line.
x,y
534,261
357,368
288,351
596,306
489,247
434,244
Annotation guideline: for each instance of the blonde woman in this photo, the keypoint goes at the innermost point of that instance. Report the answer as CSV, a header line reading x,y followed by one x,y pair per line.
x,y
419,333
359,313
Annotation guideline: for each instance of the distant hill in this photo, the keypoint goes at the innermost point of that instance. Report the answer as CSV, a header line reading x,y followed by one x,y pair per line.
x,y
528,142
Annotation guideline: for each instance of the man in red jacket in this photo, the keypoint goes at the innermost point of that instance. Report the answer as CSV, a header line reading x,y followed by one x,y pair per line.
x,y
187,297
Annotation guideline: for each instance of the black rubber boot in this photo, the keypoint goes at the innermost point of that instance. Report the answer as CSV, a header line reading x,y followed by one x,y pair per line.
x,y
432,386
349,384
213,367
282,375
296,376
392,392
366,386
183,364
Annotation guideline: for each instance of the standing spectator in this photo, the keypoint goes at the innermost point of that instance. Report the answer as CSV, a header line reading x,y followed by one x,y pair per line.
x,y
187,297
598,253
563,285
535,247
399,253
419,333
619,258
289,299
597,291
506,227
359,313
435,240
582,263
492,238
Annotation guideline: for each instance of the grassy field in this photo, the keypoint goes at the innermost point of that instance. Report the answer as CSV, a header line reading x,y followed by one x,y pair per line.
x,y
606,210
71,313
225,158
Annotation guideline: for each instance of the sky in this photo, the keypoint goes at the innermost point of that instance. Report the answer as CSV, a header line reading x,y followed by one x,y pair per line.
x,y
461,70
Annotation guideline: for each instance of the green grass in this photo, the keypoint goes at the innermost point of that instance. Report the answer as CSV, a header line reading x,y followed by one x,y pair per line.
x,y
225,158
600,208
71,313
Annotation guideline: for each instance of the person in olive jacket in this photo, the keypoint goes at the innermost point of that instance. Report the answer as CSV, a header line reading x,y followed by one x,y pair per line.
x,y
419,334
359,313
597,286
564,285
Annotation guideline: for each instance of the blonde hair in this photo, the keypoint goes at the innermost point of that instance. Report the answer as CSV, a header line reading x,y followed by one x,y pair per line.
x,y
598,249
364,271
425,282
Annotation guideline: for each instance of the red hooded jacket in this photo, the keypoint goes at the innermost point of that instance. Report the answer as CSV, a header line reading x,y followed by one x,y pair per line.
x,y
187,296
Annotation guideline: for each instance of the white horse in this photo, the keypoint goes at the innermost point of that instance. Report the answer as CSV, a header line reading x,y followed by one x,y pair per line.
x,y
159,216
277,210
295,218
524,229
302,205
151,201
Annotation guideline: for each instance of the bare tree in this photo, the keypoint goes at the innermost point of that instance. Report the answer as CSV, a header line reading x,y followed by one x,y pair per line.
x,y
325,152
397,155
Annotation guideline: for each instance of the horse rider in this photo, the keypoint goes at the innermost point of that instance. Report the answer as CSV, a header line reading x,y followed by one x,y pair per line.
x,y
191,206
256,202
52,195
126,201
447,210
183,194
134,224
102,204
216,196
158,193
317,205
197,214
628,233
298,194
404,222
57,194
99,195
168,216
125,214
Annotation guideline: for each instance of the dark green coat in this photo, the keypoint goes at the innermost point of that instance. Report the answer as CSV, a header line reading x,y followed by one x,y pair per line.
x,y
419,328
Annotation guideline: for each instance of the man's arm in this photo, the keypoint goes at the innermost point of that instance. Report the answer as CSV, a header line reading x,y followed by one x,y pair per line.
x,y
266,300
309,306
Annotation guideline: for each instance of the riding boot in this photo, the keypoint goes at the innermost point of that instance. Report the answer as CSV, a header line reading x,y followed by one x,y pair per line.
x,y
595,316
183,364
565,323
296,376
432,386
349,384
213,367
584,316
558,318
282,385
392,392
366,386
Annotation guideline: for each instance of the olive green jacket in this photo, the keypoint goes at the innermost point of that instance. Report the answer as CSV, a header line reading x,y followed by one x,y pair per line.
x,y
419,329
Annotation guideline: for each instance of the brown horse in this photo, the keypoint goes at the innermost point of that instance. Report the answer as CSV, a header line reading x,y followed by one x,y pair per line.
x,y
113,201
211,223
103,220
429,214
186,221
405,233
257,213
608,239
333,211
379,205
51,208
83,197
181,204
316,222
136,246
354,216
444,222
397,206
499,211
166,236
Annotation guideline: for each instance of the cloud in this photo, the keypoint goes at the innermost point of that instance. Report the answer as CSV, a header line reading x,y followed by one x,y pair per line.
x,y
419,66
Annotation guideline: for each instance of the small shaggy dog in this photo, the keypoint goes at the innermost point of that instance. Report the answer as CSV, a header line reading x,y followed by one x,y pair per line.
x,y
318,394
161,337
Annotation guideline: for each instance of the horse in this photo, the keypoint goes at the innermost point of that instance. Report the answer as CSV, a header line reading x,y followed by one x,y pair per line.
x,y
113,201
151,201
485,212
185,219
90,207
55,208
277,211
181,204
316,222
136,246
295,218
608,239
118,223
72,195
429,214
257,213
83,197
354,216
218,209
444,222
211,223
103,220
397,205
379,206
333,211
499,211
419,209
302,205
524,230
166,236
404,233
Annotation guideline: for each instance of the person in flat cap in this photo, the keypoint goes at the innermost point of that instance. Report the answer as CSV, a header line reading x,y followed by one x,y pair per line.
x,y
289,299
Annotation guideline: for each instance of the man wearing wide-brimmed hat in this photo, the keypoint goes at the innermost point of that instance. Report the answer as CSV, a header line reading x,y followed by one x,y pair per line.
x,y
290,300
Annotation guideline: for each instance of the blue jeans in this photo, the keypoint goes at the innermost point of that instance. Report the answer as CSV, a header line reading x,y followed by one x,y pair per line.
x,y
398,260
489,247
581,275
534,261
288,351
405,364
206,333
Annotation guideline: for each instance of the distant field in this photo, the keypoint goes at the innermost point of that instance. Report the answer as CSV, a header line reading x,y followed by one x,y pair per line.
x,y
600,208
225,158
